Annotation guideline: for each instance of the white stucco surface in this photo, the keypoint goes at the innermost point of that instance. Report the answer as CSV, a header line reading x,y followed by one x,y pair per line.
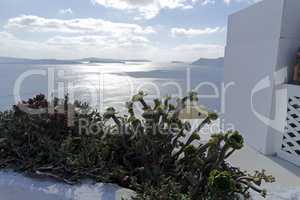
x,y
15,186
260,53
287,175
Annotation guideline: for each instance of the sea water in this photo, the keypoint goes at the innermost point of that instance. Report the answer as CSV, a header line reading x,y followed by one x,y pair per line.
x,y
104,85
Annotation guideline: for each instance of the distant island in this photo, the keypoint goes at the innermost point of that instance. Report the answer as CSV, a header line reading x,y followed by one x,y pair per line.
x,y
99,60
12,60
137,60
177,62
108,60
209,61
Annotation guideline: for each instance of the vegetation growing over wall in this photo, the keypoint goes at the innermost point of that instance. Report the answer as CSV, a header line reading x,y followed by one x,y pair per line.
x,y
146,153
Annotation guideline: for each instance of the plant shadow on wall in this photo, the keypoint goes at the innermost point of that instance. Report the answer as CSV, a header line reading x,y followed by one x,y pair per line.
x,y
145,153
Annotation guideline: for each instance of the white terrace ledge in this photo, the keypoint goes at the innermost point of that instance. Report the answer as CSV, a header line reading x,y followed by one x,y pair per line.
x,y
14,186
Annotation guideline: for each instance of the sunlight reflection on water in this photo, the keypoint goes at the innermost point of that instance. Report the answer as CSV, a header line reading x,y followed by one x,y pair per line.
x,y
113,84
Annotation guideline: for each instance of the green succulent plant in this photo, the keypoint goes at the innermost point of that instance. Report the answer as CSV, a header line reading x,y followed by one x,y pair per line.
x,y
234,140
154,153
221,182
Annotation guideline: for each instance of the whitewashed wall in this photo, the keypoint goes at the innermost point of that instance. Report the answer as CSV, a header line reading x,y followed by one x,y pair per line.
x,y
262,40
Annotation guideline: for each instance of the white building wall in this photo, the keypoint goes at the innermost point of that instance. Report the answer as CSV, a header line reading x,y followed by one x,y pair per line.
x,y
262,40
290,22
246,65
259,22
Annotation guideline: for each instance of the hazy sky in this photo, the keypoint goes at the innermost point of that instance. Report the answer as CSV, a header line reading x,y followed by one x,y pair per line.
x,y
160,30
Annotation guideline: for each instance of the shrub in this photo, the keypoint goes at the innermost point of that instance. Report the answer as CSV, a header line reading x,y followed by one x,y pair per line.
x,y
143,152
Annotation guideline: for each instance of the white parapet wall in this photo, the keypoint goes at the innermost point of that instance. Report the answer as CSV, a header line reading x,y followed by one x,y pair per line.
x,y
262,42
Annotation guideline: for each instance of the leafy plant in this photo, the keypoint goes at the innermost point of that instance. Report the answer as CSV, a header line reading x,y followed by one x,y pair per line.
x,y
153,153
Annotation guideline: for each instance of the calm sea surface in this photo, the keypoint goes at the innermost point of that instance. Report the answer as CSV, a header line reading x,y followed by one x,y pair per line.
x,y
105,85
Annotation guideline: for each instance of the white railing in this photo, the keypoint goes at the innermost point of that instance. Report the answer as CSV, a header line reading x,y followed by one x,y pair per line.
x,y
290,139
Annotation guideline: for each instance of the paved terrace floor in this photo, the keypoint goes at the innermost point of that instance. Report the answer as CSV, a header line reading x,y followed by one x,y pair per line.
x,y
287,175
